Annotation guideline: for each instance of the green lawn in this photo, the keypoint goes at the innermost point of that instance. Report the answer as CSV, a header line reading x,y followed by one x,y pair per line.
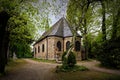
x,y
12,65
86,75
43,60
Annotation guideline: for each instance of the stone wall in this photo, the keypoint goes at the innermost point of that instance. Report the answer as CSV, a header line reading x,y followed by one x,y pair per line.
x,y
41,54
52,47
51,51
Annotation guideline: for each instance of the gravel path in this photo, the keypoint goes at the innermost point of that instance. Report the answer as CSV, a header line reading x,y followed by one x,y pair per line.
x,y
34,70
92,65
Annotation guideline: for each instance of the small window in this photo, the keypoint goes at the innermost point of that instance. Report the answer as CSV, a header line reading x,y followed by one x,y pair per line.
x,y
43,48
77,46
67,45
38,49
59,45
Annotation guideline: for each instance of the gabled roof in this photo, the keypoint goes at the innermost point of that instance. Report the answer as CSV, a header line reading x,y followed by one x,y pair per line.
x,y
60,29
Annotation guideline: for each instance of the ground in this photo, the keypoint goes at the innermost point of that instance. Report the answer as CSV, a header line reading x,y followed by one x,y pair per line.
x,y
33,70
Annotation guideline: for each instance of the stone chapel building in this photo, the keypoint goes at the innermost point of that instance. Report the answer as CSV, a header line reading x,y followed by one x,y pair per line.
x,y
57,40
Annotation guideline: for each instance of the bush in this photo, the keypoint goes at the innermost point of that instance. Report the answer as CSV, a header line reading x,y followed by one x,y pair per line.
x,y
109,54
70,61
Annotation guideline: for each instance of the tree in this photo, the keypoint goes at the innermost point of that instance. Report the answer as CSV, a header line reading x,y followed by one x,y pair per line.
x,y
20,21
78,14
21,35
7,10
3,40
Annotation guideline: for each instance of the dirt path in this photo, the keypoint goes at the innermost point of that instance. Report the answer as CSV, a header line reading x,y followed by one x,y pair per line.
x,y
32,71
92,65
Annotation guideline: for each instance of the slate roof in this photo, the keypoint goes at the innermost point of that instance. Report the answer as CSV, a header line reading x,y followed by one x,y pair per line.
x,y
60,29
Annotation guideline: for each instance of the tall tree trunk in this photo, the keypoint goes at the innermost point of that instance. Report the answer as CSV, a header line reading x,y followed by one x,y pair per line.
x,y
85,39
85,30
115,24
3,40
103,20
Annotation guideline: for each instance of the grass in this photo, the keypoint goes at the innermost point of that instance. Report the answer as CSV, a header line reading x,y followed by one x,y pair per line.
x,y
70,69
86,75
43,60
13,65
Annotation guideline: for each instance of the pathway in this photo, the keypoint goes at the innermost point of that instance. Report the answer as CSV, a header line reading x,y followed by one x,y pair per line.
x,y
34,70
92,65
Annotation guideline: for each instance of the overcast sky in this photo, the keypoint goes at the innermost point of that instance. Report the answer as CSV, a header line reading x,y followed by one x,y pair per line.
x,y
53,15
61,6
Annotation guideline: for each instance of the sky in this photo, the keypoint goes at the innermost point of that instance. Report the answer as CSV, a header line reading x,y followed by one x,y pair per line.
x,y
61,6
54,16
56,11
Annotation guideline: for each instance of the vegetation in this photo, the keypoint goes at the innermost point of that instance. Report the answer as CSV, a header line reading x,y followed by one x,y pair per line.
x,y
68,64
70,69
43,60
16,30
19,27
12,65
98,21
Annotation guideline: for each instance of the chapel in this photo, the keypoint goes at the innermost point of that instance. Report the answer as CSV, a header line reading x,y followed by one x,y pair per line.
x,y
57,40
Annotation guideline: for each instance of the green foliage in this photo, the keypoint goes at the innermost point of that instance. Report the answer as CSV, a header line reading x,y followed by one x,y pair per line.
x,y
68,62
44,60
101,43
109,53
21,35
71,59
70,69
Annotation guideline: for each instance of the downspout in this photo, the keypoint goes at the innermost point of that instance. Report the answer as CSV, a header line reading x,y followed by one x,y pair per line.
x,y
47,49
63,45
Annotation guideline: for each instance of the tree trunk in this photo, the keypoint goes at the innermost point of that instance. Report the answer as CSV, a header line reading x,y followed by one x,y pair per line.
x,y
85,40
103,20
3,40
115,24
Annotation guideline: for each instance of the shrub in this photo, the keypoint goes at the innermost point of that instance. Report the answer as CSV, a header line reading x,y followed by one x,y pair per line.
x,y
70,69
109,54
70,61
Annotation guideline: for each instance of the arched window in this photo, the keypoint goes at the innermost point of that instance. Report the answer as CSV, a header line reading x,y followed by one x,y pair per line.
x,y
43,48
77,46
67,45
38,49
59,45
